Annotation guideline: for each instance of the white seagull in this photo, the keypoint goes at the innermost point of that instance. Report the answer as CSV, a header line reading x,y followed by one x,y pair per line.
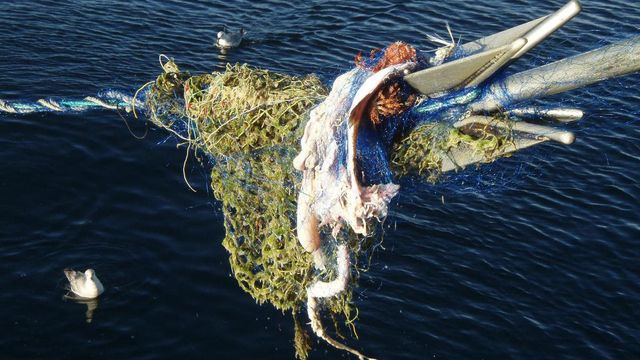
x,y
85,285
228,40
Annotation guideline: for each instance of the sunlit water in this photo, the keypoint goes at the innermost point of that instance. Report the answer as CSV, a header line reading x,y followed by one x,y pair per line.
x,y
538,263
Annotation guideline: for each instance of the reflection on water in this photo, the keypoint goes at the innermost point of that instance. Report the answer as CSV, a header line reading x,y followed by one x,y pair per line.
x,y
222,55
92,304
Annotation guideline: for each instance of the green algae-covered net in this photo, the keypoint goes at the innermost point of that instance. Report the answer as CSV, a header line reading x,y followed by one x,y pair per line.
x,y
248,122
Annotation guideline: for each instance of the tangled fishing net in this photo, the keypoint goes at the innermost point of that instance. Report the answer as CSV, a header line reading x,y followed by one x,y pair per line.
x,y
248,123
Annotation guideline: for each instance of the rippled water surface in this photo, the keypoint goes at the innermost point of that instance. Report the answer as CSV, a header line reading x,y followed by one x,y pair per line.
x,y
541,262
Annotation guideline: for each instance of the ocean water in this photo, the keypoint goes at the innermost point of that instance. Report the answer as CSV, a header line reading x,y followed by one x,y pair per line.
x,y
539,259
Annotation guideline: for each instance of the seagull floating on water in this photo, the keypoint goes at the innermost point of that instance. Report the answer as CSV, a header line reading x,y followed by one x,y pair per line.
x,y
85,285
227,39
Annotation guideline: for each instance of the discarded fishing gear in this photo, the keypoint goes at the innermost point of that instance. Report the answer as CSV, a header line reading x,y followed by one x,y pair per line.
x,y
462,115
300,220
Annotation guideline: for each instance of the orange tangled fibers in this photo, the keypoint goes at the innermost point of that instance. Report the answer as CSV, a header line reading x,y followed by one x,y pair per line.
x,y
389,100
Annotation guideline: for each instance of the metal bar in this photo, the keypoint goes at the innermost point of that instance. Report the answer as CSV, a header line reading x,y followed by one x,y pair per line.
x,y
549,25
463,156
572,73
533,31
484,73
560,115
471,70
561,136
497,52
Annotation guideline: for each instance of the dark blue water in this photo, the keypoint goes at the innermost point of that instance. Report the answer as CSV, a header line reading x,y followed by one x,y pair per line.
x,y
545,264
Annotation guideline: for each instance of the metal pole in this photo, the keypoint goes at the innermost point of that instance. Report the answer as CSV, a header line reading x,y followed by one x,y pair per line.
x,y
575,72
561,136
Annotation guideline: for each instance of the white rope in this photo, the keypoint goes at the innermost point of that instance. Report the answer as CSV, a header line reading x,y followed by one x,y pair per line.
x,y
322,289
50,104
101,103
6,107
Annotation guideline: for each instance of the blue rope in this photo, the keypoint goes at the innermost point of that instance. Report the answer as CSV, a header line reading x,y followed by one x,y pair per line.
x,y
110,99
